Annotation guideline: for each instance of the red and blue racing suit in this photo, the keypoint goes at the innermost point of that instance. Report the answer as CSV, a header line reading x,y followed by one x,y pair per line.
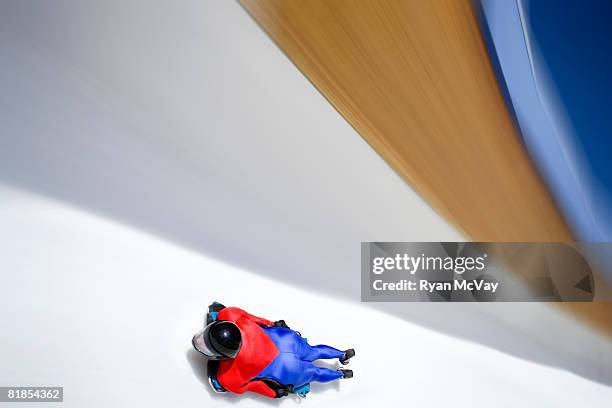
x,y
271,353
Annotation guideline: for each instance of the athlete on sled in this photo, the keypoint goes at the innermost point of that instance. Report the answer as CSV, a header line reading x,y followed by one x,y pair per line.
x,y
249,353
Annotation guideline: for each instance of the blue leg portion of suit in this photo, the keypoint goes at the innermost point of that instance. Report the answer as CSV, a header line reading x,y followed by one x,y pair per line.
x,y
312,353
294,364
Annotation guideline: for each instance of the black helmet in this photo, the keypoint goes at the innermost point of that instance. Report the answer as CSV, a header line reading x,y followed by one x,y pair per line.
x,y
220,339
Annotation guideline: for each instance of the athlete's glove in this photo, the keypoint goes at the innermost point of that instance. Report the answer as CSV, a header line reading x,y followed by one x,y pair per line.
x,y
281,323
281,390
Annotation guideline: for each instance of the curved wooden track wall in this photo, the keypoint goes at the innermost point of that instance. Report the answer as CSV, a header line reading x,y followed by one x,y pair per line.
x,y
414,79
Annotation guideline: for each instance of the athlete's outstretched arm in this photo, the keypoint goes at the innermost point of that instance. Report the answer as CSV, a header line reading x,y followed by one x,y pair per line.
x,y
260,320
234,313
259,387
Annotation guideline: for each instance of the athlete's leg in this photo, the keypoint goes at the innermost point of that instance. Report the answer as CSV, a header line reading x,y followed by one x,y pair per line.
x,y
321,374
312,353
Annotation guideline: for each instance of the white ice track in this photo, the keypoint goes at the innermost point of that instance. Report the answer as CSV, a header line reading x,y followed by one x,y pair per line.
x,y
133,130
108,312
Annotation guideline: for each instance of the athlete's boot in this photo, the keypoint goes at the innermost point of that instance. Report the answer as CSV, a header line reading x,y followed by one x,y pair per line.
x,y
346,373
348,354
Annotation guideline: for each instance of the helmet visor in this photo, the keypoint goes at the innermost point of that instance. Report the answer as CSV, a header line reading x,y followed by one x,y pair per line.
x,y
200,344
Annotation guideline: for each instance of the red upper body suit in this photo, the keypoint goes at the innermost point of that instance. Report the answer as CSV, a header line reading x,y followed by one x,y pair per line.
x,y
257,351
